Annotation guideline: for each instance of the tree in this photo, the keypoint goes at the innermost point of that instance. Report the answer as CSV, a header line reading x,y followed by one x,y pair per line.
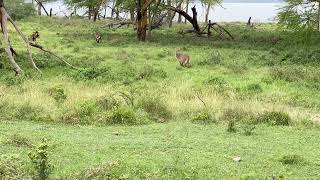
x,y
19,9
301,15
93,6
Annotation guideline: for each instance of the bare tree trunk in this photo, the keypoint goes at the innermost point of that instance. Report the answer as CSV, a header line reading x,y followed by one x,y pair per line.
x,y
169,21
187,9
132,14
179,16
150,22
39,10
113,8
207,13
318,16
89,12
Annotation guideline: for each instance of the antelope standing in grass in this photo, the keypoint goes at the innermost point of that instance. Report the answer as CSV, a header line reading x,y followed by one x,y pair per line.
x,y
183,59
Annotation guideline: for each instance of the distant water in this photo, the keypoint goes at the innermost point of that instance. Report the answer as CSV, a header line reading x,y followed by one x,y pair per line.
x,y
229,11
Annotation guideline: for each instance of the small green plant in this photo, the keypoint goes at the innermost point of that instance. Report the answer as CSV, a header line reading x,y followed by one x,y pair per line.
x,y
58,94
275,118
203,117
231,126
39,157
291,159
248,129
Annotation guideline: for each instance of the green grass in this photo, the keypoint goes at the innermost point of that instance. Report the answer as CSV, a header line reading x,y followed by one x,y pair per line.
x,y
132,111
208,149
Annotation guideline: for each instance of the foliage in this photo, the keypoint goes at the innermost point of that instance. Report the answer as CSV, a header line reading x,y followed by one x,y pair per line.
x,y
203,117
275,118
39,157
19,9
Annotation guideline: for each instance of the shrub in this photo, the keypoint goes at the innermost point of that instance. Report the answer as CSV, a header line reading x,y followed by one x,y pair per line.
x,y
39,157
234,115
81,114
275,118
88,74
231,127
254,88
203,117
11,167
58,94
107,103
126,116
19,9
248,129
156,108
291,159
214,58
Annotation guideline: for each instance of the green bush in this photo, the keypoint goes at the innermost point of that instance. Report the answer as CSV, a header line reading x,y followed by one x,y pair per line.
x,y
155,107
19,9
58,94
148,72
203,117
108,103
39,157
275,118
125,115
231,126
248,129
291,159
81,114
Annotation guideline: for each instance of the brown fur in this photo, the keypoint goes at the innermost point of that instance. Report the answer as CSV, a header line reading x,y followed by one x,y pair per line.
x,y
183,59
35,35
98,37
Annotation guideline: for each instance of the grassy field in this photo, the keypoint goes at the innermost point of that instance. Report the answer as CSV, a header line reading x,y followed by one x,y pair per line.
x,y
131,112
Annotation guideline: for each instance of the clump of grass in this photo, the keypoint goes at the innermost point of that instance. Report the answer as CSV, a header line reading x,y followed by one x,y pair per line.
x,y
234,114
81,114
11,167
108,103
58,94
214,58
291,159
26,111
254,88
275,118
18,140
248,129
14,80
231,126
156,108
126,115
203,117
148,72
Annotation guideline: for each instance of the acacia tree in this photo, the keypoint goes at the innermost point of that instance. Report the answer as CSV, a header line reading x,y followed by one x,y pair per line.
x,y
301,15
